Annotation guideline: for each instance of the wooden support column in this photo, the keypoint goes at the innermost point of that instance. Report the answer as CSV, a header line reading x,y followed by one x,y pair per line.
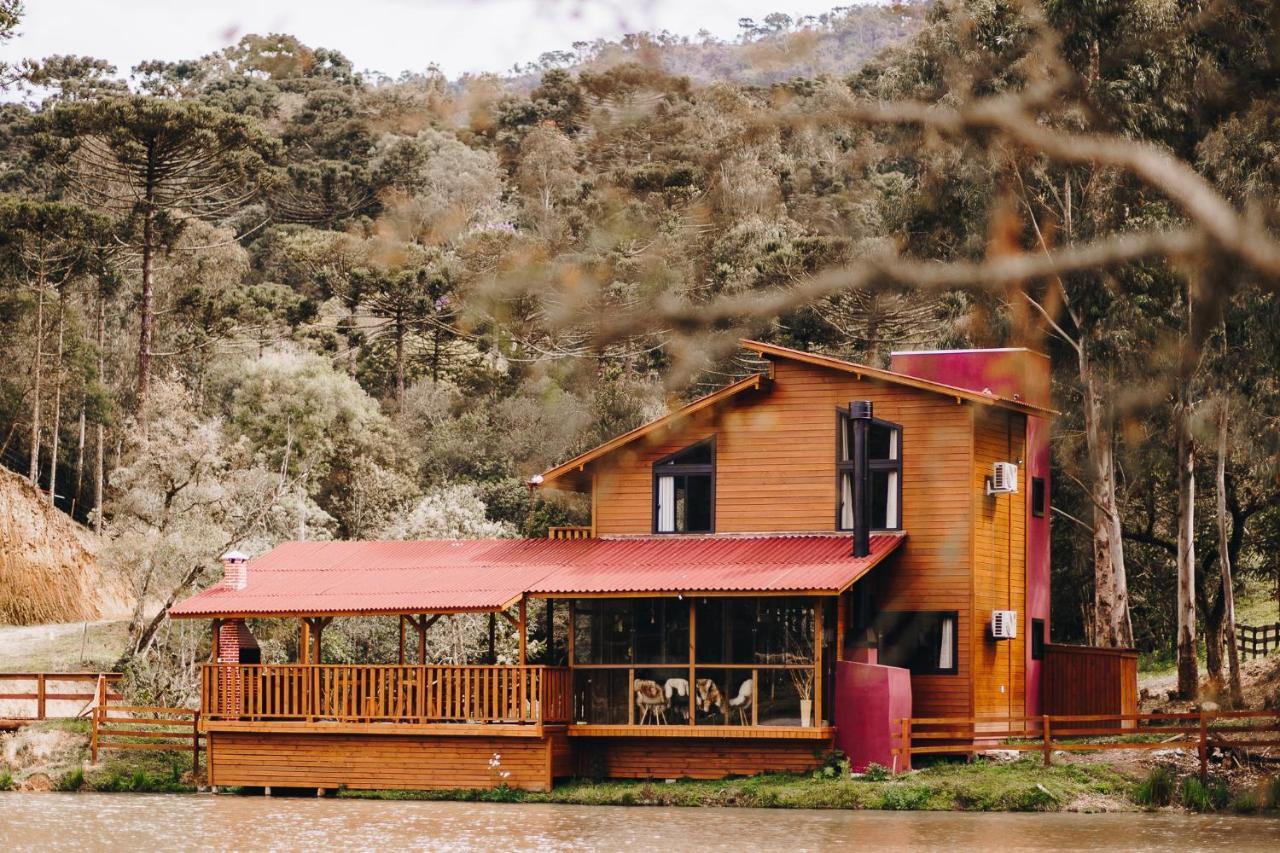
x,y
493,638
213,644
819,605
315,626
569,640
842,616
400,659
304,641
524,631
693,687
548,657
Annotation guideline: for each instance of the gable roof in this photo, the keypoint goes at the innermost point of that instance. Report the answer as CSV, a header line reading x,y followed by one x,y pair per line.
x,y
478,575
714,398
758,380
903,379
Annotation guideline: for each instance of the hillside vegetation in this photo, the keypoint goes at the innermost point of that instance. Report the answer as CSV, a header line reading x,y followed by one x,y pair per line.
x,y
257,295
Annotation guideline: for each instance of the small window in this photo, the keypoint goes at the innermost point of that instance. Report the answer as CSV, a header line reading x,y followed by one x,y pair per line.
x,y
1037,639
684,490
924,643
1039,497
884,461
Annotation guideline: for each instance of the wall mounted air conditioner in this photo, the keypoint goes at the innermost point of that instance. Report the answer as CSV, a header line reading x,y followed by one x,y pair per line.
x,y
1003,479
1004,624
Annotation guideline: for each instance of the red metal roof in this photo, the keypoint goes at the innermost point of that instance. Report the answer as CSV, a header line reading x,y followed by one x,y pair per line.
x,y
305,578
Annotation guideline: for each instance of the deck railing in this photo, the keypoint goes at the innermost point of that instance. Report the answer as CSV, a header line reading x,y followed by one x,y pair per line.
x,y
386,693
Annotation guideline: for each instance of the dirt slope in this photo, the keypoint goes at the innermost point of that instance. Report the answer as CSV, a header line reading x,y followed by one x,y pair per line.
x,y
48,566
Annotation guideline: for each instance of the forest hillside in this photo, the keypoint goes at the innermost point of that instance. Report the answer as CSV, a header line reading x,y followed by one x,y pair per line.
x,y
258,295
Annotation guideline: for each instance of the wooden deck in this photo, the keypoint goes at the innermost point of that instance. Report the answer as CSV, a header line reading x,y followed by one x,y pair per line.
x,y
413,695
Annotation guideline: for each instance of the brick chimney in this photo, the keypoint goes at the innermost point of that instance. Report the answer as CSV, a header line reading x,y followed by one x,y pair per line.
x,y
235,570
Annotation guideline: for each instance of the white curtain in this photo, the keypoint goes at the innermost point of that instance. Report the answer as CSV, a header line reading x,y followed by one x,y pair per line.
x,y
846,502
947,644
666,504
891,502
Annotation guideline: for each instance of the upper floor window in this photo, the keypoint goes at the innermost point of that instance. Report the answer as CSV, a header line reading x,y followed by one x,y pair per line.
x,y
884,463
1039,497
684,492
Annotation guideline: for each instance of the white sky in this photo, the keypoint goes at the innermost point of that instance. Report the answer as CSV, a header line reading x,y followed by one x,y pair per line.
x,y
383,35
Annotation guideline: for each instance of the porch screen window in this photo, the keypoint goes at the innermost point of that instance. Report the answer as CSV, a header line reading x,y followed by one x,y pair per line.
x,y
924,643
1039,497
1037,639
884,459
684,490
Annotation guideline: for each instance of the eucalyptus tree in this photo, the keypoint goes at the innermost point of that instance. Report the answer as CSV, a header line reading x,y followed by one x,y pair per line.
x,y
154,164
47,246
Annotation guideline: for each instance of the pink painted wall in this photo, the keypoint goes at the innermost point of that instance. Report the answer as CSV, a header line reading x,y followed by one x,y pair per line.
x,y
1021,374
869,701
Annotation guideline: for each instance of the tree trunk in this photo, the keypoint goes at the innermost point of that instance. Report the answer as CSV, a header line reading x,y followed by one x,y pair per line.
x,y
1224,562
1112,626
399,332
99,449
57,401
146,310
33,471
75,497
1188,666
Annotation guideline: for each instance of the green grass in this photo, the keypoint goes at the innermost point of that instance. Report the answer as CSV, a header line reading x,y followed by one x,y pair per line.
x,y
981,786
1157,789
60,650
1257,605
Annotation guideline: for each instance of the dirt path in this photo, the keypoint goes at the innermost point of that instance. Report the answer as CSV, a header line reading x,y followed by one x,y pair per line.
x,y
61,646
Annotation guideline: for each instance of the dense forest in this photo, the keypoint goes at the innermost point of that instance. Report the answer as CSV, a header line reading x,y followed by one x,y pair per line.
x,y
257,295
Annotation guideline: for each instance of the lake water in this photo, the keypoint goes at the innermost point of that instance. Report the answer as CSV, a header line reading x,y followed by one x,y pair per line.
x,y
225,822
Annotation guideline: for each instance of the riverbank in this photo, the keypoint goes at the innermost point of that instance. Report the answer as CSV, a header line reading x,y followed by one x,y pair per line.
x,y
54,756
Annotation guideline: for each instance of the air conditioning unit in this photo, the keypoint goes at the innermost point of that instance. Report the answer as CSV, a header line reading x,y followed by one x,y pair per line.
x,y
1003,480
1004,624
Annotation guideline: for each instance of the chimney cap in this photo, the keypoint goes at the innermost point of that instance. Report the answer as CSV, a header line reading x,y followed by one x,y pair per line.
x,y
235,557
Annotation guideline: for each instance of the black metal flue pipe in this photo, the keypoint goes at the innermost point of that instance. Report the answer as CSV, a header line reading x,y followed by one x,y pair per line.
x,y
860,419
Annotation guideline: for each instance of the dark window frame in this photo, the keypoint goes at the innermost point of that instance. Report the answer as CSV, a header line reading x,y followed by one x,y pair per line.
x,y
1039,497
1038,639
955,639
662,468
844,466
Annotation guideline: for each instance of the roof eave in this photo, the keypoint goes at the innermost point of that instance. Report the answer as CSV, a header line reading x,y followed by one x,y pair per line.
x,y
863,370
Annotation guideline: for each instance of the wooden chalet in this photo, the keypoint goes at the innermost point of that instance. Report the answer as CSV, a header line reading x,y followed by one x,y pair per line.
x,y
780,568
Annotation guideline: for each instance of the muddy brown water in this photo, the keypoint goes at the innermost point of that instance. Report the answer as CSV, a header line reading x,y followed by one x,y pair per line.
x,y
225,822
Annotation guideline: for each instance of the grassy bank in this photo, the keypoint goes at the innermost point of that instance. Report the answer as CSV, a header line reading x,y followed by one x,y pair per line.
x,y
54,755
981,786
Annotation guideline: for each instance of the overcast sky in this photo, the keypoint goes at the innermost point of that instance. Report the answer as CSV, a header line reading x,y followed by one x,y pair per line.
x,y
382,35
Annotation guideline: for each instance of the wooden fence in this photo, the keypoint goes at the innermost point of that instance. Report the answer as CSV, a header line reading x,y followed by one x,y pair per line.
x,y
26,696
146,727
386,693
1088,680
1257,640
1236,730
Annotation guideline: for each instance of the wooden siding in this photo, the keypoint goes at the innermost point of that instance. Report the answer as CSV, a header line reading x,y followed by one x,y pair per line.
x,y
776,473
660,758
999,566
375,761
1084,680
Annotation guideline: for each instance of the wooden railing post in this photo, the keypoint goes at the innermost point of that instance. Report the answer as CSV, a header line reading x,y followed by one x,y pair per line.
x,y
904,746
40,696
1048,746
93,737
1204,748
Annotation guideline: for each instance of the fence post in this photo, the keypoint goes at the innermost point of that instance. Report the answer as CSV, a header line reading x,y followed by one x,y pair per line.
x,y
93,735
1204,748
195,744
40,696
1048,750
904,745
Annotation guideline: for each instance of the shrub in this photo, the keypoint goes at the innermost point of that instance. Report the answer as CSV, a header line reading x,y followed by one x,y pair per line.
x,y
6,780
1201,797
904,798
1157,789
72,781
875,772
